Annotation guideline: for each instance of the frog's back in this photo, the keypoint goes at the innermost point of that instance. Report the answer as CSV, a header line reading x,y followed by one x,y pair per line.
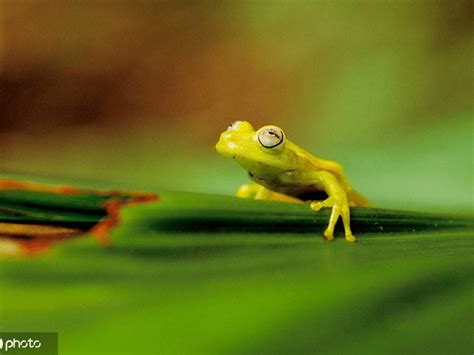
x,y
319,164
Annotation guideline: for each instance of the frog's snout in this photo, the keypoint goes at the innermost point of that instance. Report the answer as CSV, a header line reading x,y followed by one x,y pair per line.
x,y
220,145
224,144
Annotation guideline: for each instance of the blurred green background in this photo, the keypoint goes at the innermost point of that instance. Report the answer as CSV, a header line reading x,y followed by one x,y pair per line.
x,y
134,94
137,93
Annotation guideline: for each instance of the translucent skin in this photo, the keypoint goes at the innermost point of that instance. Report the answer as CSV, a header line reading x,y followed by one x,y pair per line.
x,y
286,172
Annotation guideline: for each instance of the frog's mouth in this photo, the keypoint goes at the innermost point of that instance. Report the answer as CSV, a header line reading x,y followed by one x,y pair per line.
x,y
222,149
232,150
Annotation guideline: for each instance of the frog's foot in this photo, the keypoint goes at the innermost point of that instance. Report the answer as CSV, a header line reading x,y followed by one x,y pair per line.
x,y
317,205
340,208
351,238
329,234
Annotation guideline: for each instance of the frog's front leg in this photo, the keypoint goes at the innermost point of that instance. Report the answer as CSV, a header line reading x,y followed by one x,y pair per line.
x,y
258,192
337,200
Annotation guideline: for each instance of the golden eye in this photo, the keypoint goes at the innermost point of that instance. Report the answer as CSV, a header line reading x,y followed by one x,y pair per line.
x,y
271,137
234,126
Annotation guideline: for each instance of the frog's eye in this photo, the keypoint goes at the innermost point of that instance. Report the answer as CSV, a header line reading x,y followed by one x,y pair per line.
x,y
234,126
271,137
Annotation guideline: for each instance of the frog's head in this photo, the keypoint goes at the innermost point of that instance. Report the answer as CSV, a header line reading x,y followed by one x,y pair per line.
x,y
265,147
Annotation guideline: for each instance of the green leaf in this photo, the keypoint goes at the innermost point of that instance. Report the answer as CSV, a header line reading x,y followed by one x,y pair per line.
x,y
206,274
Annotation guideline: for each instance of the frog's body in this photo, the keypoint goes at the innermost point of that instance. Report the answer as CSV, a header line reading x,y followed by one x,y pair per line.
x,y
283,171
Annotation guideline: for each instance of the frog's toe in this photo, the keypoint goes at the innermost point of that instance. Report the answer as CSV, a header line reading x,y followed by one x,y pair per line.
x,y
328,235
351,238
316,206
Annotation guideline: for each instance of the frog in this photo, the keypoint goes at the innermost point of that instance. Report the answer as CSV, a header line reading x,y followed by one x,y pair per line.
x,y
282,171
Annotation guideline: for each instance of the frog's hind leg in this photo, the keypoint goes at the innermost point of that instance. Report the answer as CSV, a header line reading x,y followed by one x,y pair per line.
x,y
258,192
317,205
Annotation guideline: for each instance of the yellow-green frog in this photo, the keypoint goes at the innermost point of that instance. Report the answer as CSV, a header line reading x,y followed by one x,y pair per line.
x,y
283,171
